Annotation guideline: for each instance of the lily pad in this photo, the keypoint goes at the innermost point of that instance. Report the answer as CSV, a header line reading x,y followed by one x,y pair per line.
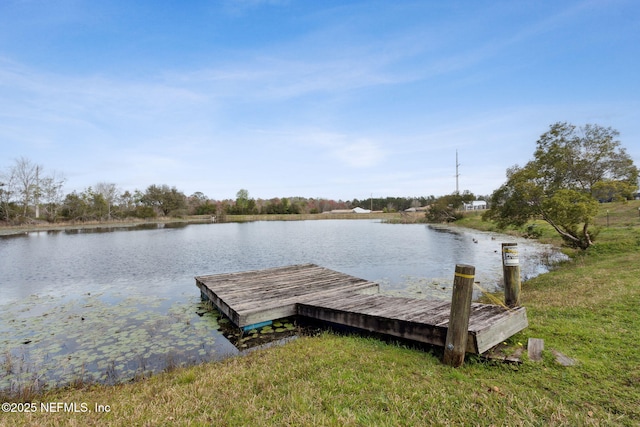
x,y
61,347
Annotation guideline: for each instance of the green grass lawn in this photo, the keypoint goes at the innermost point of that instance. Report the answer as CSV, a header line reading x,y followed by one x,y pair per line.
x,y
587,309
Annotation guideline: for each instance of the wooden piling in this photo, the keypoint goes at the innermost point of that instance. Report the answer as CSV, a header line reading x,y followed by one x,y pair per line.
x,y
457,332
511,272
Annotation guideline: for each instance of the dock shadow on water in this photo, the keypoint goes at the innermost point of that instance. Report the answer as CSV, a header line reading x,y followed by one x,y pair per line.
x,y
278,331
103,339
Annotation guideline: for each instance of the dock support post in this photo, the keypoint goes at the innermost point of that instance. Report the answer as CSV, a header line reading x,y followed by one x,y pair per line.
x,y
458,330
511,272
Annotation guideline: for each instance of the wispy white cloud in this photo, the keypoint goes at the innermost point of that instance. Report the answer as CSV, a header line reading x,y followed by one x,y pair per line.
x,y
359,154
85,103
286,75
351,151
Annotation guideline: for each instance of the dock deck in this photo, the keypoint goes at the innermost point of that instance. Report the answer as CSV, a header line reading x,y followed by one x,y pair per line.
x,y
252,297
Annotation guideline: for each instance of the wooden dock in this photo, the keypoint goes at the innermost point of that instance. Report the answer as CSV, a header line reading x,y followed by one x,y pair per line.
x,y
251,298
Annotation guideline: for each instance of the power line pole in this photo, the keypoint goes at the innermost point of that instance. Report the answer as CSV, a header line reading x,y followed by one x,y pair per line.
x,y
457,174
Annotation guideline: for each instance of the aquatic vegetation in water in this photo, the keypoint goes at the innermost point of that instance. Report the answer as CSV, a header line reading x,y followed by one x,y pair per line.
x,y
97,338
421,288
278,330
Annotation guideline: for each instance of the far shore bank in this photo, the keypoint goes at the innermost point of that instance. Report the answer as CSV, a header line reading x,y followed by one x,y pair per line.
x,y
8,230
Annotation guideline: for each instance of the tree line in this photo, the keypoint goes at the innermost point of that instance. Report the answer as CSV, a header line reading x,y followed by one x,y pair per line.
x,y
29,193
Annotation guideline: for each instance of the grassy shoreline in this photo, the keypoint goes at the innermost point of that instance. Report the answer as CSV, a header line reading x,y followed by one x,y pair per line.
x,y
8,230
587,309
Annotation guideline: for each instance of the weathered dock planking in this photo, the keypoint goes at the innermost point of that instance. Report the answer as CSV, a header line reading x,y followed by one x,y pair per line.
x,y
252,297
418,320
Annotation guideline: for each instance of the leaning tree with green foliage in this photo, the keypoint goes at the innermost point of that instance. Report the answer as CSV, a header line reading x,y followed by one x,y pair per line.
x,y
572,170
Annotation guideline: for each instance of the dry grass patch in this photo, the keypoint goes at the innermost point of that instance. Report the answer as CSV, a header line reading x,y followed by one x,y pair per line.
x,y
585,283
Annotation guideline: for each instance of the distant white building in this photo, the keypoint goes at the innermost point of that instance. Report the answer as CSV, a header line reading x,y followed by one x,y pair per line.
x,y
476,205
354,210
360,210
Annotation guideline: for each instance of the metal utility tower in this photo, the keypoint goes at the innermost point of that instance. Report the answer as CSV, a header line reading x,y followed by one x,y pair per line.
x,y
457,174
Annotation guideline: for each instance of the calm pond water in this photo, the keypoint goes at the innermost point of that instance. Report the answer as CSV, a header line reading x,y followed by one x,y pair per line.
x,y
108,306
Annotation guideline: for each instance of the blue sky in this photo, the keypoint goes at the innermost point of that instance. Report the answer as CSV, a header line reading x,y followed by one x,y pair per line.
x,y
334,99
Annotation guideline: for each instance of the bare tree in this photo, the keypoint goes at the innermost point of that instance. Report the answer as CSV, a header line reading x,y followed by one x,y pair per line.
x,y
52,194
7,190
25,185
109,192
26,174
